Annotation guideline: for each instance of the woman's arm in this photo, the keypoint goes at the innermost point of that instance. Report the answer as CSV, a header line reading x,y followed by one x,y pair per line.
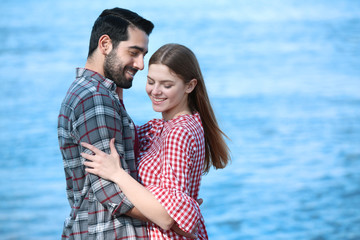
x,y
109,167
135,213
144,200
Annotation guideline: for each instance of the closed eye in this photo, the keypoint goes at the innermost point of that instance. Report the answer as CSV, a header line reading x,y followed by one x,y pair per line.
x,y
134,53
150,81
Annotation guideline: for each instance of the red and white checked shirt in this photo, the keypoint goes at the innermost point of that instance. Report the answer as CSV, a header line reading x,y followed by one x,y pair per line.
x,y
171,162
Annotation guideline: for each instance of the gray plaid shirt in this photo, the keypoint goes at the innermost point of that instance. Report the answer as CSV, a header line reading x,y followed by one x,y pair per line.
x,y
92,112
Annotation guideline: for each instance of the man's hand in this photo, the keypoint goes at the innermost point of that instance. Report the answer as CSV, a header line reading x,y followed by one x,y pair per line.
x,y
192,235
135,213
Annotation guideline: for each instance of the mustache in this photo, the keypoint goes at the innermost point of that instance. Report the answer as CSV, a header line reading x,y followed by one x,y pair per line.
x,y
131,69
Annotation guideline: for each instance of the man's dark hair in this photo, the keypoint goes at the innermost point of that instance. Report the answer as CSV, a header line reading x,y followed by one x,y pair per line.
x,y
115,22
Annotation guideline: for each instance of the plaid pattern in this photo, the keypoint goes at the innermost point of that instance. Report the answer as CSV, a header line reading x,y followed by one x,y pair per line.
x,y
92,112
172,155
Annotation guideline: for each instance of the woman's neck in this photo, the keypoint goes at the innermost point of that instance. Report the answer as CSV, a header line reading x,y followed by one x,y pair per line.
x,y
168,117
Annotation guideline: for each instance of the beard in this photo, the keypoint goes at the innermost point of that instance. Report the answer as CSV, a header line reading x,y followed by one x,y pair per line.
x,y
115,70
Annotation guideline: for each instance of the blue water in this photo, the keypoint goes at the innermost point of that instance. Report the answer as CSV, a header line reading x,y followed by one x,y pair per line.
x,y
284,79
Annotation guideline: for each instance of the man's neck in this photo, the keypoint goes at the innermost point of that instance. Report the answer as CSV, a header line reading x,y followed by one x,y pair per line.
x,y
94,67
119,92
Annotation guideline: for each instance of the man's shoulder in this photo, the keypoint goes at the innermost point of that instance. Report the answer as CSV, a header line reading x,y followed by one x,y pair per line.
x,y
84,88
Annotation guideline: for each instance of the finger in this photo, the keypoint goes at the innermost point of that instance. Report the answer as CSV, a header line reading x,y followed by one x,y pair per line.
x,y
113,150
88,156
89,164
90,170
180,232
196,229
91,147
193,236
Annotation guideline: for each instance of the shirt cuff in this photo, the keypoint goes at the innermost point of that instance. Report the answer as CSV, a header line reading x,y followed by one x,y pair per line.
x,y
122,208
182,208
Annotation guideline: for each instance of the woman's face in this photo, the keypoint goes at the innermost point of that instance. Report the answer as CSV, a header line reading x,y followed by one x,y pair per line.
x,y
167,92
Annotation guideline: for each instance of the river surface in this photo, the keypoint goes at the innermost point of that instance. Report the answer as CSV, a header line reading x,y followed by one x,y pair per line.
x,y
284,80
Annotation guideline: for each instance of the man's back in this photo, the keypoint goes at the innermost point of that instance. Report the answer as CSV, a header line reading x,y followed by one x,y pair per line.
x,y
91,112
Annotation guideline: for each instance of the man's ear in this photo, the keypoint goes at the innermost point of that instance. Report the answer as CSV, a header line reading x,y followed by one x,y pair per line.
x,y
105,44
191,85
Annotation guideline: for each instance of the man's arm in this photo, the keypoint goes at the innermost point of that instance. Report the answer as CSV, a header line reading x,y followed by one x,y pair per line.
x,y
97,120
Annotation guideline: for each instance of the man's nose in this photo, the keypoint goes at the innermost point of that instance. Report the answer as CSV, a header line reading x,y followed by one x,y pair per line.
x,y
139,63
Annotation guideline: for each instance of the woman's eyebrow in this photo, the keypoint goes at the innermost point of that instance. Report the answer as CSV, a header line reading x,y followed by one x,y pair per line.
x,y
162,81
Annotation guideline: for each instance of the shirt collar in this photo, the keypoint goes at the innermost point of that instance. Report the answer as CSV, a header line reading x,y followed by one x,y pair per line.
x,y
84,72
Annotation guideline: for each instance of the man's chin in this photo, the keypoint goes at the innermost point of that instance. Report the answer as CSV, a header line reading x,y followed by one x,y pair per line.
x,y
124,86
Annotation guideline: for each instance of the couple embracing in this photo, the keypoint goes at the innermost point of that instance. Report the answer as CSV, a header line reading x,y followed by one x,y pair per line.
x,y
136,182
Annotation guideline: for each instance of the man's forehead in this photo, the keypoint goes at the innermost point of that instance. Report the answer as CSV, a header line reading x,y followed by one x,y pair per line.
x,y
138,40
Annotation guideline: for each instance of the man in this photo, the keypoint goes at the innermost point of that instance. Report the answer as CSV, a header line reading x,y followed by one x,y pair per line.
x,y
93,112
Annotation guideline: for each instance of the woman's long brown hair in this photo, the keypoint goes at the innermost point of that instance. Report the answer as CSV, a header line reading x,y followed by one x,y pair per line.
x,y
182,61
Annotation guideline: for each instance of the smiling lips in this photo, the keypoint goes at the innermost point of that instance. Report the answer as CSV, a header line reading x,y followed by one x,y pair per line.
x,y
157,100
131,71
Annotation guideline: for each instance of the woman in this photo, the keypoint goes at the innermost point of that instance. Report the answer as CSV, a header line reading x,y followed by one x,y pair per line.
x,y
174,151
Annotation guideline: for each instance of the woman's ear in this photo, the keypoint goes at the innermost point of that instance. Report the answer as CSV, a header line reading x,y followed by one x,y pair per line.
x,y
191,85
105,44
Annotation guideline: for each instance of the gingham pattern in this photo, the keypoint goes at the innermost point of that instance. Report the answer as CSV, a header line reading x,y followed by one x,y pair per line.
x,y
92,112
172,155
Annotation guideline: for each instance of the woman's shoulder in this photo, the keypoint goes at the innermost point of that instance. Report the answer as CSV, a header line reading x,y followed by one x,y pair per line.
x,y
186,125
189,122
150,125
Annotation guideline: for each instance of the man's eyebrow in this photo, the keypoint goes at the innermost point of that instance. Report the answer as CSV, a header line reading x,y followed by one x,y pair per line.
x,y
139,48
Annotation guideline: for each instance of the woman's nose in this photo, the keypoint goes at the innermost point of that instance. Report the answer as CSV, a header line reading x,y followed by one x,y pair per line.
x,y
156,90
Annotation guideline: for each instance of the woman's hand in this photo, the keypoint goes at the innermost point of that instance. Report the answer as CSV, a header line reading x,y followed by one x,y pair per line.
x,y
104,165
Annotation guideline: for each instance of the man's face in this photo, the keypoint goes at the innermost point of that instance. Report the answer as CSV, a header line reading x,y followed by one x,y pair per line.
x,y
122,63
